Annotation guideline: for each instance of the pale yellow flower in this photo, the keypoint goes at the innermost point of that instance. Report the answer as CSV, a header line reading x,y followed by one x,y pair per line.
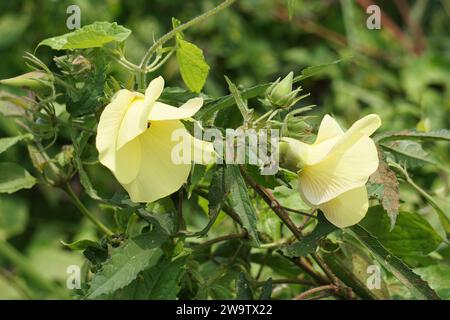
x,y
333,171
134,140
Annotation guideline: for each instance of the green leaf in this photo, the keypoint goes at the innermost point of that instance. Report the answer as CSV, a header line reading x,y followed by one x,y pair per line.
x,y
80,140
242,204
442,134
238,98
243,288
81,244
160,282
193,66
196,175
438,276
163,221
313,70
125,263
338,265
279,264
13,216
90,36
217,194
266,290
210,108
397,267
309,243
411,235
6,143
407,152
13,178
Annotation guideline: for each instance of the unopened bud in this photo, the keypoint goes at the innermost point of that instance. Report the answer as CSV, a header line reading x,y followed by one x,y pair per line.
x,y
280,93
35,80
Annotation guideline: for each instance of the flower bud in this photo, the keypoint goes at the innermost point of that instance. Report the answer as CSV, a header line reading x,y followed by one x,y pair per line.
x,y
282,88
280,93
35,80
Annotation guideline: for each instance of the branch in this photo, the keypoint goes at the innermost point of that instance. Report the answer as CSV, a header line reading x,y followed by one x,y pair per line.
x,y
273,203
307,293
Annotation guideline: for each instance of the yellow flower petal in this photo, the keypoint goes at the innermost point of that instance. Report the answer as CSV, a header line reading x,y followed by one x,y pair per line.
x,y
162,111
329,128
109,125
339,172
128,161
158,176
347,209
154,90
135,120
361,128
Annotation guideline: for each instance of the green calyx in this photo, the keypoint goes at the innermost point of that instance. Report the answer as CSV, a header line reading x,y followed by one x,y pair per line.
x,y
292,155
280,93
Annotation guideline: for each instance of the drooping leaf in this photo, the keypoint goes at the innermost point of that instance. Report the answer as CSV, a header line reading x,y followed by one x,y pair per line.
x,y
193,67
217,194
160,282
411,235
125,263
89,36
418,287
240,201
80,141
309,243
442,134
13,178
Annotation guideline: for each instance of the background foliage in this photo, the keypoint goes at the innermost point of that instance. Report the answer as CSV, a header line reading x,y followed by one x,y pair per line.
x,y
400,72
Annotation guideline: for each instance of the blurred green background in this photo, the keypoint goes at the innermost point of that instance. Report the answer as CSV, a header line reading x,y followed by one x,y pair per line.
x,y
401,72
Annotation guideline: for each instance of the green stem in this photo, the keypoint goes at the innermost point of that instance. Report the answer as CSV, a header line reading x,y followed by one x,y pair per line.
x,y
208,243
12,255
76,201
173,32
441,214
158,65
